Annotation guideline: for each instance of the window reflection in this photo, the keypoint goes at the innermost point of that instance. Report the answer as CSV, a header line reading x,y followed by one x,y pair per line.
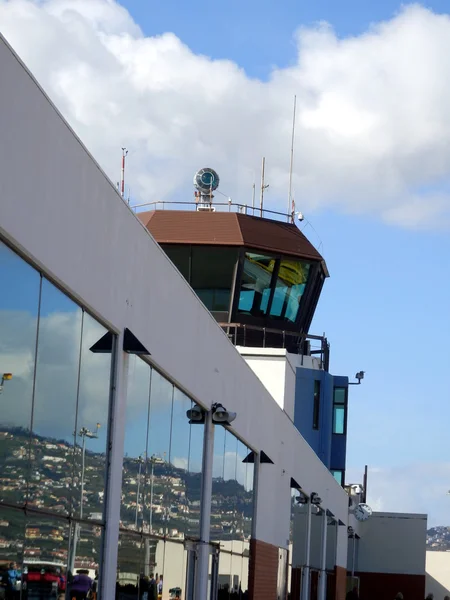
x,y
92,423
179,461
289,288
136,426
256,284
163,458
174,576
46,545
55,401
212,275
19,304
158,481
12,535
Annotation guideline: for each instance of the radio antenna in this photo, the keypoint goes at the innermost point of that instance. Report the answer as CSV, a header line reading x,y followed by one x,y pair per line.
x,y
289,210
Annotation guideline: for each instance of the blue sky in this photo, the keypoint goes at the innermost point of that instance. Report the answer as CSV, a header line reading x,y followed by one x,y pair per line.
x,y
385,307
257,34
372,169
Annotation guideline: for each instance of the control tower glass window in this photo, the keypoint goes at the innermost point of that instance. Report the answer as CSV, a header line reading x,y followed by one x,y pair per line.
x,y
212,275
256,284
289,288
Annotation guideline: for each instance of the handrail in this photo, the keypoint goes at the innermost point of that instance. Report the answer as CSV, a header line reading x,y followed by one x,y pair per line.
x,y
232,330
243,208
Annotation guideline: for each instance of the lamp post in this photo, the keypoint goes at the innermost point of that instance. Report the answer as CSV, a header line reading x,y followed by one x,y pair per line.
x,y
5,377
140,461
83,433
218,415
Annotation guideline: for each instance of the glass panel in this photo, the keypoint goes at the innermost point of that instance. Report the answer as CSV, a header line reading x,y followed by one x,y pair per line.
x,y
12,534
158,472
45,573
92,423
179,462
218,500
212,275
338,475
180,256
339,395
225,579
174,580
229,490
331,543
256,284
55,400
194,480
87,549
136,427
290,286
299,522
339,419
19,302
130,567
249,504
241,499
316,537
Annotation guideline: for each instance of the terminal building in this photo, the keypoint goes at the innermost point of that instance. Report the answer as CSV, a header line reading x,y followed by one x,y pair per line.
x,y
166,414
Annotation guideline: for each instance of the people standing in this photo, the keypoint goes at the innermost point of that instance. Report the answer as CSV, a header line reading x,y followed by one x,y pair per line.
x,y
13,577
81,585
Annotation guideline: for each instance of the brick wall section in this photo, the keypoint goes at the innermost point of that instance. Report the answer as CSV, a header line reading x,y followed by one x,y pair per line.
x,y
341,583
263,571
374,586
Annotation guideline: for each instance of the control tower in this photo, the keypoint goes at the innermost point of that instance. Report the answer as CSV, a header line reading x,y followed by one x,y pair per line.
x,y
260,277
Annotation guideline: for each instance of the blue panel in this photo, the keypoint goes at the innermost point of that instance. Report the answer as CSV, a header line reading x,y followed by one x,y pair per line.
x,y
318,439
339,442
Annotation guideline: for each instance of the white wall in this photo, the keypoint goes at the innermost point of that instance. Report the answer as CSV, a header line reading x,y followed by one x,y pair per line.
x,y
277,369
61,211
438,574
393,543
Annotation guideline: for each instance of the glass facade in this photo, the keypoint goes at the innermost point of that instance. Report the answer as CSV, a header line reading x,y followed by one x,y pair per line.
x,y
161,491
272,287
53,431
209,270
54,427
232,511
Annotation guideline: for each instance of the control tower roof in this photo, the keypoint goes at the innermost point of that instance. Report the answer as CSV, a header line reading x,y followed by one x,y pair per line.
x,y
228,229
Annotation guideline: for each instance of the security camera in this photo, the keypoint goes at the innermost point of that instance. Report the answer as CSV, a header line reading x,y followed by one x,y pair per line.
x,y
221,415
300,216
196,414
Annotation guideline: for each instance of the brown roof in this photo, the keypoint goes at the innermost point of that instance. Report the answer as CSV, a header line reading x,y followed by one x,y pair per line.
x,y
227,229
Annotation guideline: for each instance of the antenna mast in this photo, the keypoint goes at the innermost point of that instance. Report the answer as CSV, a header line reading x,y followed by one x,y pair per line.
x,y
292,160
263,187
122,178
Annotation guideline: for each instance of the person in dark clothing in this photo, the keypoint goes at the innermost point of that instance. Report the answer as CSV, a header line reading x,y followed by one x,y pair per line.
x,y
81,585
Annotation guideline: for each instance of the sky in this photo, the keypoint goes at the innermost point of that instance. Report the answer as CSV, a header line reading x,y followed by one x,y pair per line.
x,y
186,85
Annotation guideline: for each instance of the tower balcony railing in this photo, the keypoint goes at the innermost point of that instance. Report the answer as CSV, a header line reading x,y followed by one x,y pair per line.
x,y
304,344
207,206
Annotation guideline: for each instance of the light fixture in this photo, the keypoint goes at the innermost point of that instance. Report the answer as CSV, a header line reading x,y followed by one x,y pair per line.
x,y
359,376
5,377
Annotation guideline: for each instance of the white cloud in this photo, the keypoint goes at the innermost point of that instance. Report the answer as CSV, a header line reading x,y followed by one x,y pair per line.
x,y
413,488
373,110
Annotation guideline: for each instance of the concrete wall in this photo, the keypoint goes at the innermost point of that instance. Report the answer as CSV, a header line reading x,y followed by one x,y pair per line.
x,y
393,543
59,209
438,574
